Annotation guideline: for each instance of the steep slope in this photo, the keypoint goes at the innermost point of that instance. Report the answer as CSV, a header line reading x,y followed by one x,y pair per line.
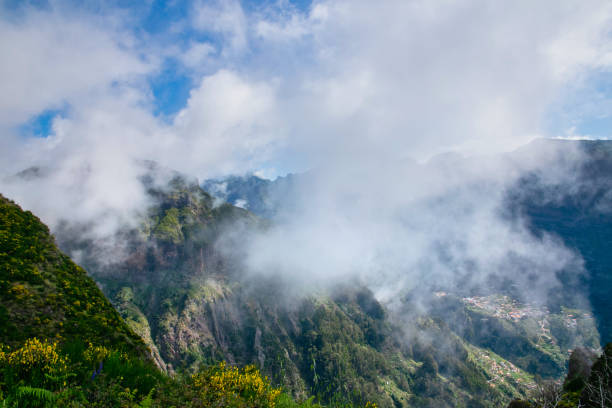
x,y
44,294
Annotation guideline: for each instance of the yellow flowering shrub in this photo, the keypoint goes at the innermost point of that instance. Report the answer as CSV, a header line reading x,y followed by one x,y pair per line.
x,y
95,354
33,360
20,292
224,385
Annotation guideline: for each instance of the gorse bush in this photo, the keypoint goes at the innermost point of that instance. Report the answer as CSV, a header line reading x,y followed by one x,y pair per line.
x,y
41,373
35,363
221,385
95,354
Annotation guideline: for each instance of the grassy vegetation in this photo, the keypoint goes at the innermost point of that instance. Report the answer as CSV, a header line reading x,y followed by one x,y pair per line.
x,y
45,374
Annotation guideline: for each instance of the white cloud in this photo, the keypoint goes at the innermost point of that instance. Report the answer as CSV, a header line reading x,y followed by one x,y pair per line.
x,y
375,87
55,57
197,55
422,77
241,204
358,89
49,58
225,17
295,27
227,126
91,175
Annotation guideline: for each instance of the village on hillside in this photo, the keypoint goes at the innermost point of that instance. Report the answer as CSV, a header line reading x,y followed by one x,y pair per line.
x,y
503,307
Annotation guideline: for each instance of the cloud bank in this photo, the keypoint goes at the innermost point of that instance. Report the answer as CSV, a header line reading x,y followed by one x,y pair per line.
x,y
365,94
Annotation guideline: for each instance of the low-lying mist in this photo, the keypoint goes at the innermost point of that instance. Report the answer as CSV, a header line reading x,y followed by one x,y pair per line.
x,y
405,228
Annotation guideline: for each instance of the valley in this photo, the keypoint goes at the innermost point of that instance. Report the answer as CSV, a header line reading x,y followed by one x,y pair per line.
x,y
194,306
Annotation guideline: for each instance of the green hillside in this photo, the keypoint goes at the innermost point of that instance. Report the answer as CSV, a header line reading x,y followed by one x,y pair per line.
x,y
57,328
44,294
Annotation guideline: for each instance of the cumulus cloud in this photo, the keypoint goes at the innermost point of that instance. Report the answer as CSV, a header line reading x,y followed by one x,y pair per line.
x,y
421,77
365,94
227,121
197,54
90,160
225,18
50,58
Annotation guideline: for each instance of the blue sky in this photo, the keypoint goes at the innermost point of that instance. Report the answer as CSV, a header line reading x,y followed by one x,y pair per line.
x,y
147,20
171,87
170,84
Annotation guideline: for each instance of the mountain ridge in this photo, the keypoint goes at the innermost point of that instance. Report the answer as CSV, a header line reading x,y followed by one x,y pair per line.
x,y
200,308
